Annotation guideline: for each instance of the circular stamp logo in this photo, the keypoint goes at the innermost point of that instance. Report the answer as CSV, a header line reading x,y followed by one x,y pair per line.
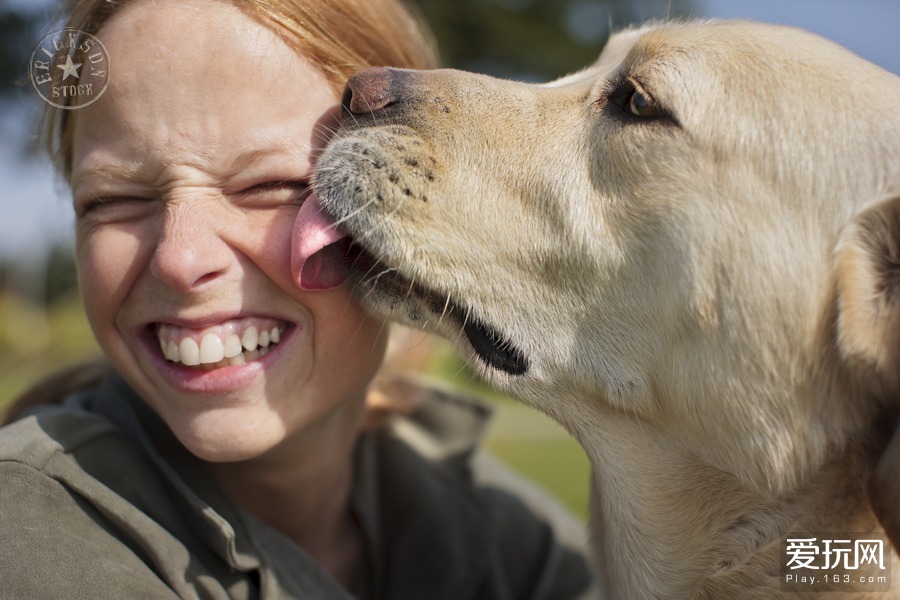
x,y
69,69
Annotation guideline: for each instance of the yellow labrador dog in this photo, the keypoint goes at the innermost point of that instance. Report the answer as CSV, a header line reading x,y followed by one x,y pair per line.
x,y
688,254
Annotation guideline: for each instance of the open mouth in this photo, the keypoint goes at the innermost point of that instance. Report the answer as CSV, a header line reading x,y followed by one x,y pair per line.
x,y
494,349
232,343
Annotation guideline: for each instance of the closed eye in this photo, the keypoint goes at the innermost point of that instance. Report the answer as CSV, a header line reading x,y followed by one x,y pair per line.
x,y
276,192
113,208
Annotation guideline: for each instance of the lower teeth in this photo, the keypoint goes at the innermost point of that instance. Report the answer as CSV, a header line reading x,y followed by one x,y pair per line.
x,y
240,359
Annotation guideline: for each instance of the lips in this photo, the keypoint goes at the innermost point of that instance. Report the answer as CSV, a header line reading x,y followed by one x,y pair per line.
x,y
228,375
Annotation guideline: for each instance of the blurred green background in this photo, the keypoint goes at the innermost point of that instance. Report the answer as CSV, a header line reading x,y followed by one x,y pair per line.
x,y
42,325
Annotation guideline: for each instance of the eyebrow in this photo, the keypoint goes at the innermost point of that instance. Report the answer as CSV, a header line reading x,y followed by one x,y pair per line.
x,y
126,171
250,157
246,159
133,171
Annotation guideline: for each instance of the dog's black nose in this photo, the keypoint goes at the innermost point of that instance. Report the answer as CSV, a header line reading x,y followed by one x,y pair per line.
x,y
371,89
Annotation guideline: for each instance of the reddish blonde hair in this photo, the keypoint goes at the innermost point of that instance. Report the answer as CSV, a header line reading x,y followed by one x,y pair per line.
x,y
339,36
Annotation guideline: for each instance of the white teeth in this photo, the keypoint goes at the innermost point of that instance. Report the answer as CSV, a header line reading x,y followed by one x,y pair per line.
x,y
220,347
172,352
233,346
212,350
250,338
189,352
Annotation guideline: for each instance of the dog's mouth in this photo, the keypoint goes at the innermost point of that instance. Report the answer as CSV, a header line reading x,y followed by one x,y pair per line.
x,y
383,288
381,285
494,349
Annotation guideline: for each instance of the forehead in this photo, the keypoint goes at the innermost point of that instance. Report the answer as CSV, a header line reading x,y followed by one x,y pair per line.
x,y
208,55
198,80
739,51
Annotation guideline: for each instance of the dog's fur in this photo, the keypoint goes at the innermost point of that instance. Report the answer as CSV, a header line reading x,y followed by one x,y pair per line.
x,y
707,297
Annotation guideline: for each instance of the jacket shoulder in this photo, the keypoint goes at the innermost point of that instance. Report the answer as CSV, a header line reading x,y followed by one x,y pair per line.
x,y
453,496
58,519
33,440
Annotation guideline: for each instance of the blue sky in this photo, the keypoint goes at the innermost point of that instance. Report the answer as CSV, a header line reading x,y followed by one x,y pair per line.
x,y
34,209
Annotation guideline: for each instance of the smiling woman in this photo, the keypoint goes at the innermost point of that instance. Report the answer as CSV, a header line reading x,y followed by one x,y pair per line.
x,y
199,245
228,453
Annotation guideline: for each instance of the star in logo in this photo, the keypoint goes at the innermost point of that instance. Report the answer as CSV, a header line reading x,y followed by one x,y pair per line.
x,y
70,68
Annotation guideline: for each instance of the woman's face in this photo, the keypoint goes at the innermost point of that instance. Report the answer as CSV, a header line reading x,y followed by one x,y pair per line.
x,y
187,176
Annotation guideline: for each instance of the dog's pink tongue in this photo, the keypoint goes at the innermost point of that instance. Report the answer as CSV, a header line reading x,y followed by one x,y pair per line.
x,y
317,260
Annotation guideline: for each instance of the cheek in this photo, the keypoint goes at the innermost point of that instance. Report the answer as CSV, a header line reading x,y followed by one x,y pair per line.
x,y
350,344
265,238
106,261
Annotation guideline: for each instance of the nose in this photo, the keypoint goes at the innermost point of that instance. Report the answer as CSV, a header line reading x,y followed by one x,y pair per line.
x,y
189,252
373,89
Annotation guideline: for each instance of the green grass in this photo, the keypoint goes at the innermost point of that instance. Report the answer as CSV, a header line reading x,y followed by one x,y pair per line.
x,y
523,438
534,446
34,342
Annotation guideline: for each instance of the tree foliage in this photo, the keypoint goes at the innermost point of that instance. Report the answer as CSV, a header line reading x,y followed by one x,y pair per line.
x,y
533,39
19,29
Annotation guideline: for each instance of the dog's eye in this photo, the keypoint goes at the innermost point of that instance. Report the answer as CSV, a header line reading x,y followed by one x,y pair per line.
x,y
633,101
642,105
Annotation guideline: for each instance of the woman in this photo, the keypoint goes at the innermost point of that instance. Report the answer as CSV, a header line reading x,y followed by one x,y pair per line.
x,y
227,456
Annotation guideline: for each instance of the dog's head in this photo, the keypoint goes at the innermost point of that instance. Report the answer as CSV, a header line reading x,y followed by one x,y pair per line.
x,y
698,229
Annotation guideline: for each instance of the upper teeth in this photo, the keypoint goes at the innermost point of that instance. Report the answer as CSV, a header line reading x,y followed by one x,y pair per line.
x,y
236,340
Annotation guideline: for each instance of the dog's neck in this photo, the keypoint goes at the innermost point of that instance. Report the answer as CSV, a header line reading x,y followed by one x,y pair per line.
x,y
666,525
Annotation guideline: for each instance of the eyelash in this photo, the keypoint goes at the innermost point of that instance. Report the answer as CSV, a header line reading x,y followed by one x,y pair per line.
x,y
301,186
95,203
618,97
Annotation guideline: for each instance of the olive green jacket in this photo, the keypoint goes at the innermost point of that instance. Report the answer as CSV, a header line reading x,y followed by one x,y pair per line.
x,y
98,500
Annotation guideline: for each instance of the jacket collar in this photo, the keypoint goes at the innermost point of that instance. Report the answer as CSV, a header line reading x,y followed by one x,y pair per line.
x,y
426,528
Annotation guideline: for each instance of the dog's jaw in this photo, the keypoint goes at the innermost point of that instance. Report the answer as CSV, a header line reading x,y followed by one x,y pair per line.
x,y
389,293
386,275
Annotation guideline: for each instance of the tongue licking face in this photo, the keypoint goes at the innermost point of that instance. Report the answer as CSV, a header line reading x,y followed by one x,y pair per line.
x,y
317,263
317,257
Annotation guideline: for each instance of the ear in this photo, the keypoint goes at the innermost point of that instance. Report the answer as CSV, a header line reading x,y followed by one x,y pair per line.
x,y
868,288
884,490
868,330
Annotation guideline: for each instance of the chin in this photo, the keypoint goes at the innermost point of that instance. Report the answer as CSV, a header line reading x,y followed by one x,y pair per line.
x,y
229,434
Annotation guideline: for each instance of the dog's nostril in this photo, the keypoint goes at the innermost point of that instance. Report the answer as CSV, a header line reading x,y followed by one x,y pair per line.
x,y
368,91
346,97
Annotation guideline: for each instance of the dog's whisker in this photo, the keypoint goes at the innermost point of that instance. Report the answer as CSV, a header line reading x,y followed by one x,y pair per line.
x,y
383,273
346,218
445,310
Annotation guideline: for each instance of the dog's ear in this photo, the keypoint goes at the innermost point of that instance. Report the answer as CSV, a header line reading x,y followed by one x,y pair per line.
x,y
884,490
868,288
868,331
